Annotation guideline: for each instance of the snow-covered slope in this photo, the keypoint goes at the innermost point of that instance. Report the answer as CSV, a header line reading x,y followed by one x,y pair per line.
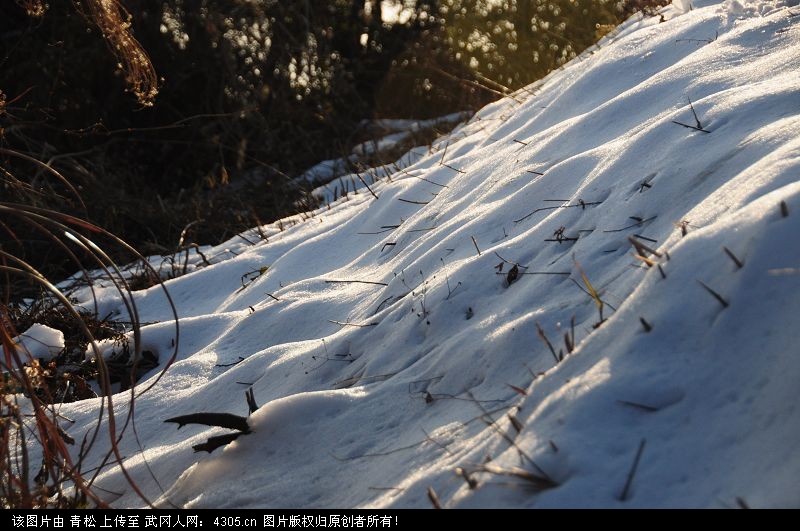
x,y
383,340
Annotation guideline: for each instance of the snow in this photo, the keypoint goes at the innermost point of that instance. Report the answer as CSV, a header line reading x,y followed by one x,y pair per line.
x,y
39,342
383,340
326,170
399,131
384,143
396,124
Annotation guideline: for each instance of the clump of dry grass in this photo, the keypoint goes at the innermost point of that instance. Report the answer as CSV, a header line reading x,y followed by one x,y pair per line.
x,y
41,466
114,23
34,8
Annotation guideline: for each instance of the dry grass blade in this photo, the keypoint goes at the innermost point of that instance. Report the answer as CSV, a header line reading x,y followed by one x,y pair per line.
x,y
345,323
546,341
360,178
434,498
518,390
590,289
569,337
593,292
632,472
475,243
714,294
58,467
739,263
694,113
741,503
540,483
472,483
356,282
412,201
252,406
643,249
50,170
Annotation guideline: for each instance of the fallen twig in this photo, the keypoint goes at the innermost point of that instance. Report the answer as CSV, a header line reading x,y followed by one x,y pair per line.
x,y
340,323
639,223
356,282
475,243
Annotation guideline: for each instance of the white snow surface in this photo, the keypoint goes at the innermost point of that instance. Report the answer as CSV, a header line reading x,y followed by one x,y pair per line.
x,y
39,342
418,384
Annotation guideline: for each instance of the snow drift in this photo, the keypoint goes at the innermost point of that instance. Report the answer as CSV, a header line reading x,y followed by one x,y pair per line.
x,y
391,348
